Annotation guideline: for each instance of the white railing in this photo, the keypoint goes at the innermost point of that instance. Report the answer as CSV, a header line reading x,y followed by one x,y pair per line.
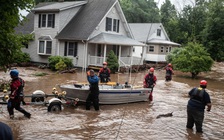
x,y
127,61
95,60
124,61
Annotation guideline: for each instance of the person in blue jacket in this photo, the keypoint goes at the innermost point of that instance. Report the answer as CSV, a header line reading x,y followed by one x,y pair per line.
x,y
5,132
93,96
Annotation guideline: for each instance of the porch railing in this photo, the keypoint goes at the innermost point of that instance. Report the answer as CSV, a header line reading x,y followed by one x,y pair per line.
x,y
95,60
124,61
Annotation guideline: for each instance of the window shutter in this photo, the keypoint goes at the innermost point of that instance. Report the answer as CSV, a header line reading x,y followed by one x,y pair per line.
x,y
39,21
65,49
106,24
118,21
53,22
75,49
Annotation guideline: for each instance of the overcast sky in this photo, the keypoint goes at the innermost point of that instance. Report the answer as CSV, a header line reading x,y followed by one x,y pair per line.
x,y
179,4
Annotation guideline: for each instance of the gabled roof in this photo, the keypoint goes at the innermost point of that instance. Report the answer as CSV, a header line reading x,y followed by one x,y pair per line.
x,y
142,31
58,6
27,25
114,39
84,23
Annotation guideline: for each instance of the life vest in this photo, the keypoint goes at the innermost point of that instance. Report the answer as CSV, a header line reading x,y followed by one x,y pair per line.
x,y
104,72
198,95
149,80
19,93
168,71
104,75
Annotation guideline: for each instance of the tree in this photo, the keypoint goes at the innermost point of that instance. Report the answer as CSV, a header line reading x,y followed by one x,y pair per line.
x,y
140,11
11,43
214,31
192,58
112,62
169,20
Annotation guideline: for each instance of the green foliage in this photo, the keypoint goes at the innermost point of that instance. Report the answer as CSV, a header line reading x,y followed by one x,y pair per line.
x,y
112,62
53,60
192,58
60,65
40,74
22,57
214,31
140,11
10,43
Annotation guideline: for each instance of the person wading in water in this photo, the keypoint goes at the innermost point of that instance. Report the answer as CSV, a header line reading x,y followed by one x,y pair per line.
x,y
104,73
150,82
169,72
199,98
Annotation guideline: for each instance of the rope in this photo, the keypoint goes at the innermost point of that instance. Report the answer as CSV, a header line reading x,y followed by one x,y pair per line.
x,y
122,119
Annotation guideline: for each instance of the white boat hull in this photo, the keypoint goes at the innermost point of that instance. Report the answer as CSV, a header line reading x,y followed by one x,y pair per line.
x,y
109,94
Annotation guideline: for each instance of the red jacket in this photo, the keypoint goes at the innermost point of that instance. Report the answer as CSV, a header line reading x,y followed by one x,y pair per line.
x,y
16,86
149,81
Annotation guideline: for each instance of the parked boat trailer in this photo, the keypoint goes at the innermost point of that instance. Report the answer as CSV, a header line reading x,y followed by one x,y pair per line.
x,y
38,98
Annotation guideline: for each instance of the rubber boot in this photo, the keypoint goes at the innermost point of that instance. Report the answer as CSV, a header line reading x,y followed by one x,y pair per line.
x,y
150,97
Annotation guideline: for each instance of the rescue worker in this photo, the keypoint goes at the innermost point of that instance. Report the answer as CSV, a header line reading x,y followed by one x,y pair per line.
x,y
16,95
169,72
150,82
199,98
5,132
104,73
93,96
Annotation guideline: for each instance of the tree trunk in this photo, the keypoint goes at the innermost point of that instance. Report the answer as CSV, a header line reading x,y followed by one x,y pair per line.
x,y
194,74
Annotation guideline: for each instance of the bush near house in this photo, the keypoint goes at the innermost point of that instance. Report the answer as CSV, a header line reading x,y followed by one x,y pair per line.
x,y
58,60
112,62
22,58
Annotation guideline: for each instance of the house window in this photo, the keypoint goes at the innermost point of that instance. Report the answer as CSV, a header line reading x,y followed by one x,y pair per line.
x,y
151,48
158,32
161,49
167,49
46,20
45,47
116,25
170,48
108,24
71,49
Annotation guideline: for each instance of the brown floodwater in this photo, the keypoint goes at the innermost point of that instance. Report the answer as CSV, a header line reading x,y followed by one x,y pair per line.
x,y
122,122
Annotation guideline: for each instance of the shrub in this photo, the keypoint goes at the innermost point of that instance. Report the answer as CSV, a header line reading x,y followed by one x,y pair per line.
x,y
22,57
112,62
53,60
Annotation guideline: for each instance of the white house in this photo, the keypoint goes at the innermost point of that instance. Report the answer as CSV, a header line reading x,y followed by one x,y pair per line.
x,y
156,39
82,30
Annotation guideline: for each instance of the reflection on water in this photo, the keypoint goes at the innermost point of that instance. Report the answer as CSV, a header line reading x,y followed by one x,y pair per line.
x,y
126,121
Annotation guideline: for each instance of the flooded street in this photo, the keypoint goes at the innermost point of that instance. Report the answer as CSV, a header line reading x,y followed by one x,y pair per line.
x,y
122,122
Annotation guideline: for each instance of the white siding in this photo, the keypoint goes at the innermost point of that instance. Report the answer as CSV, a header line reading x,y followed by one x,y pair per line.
x,y
137,52
154,35
101,28
155,57
77,61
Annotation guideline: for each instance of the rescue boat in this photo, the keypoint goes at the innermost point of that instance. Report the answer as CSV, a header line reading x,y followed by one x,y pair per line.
x,y
110,93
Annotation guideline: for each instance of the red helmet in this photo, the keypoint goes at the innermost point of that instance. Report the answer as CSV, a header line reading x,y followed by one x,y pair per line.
x,y
203,82
104,63
151,69
170,64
